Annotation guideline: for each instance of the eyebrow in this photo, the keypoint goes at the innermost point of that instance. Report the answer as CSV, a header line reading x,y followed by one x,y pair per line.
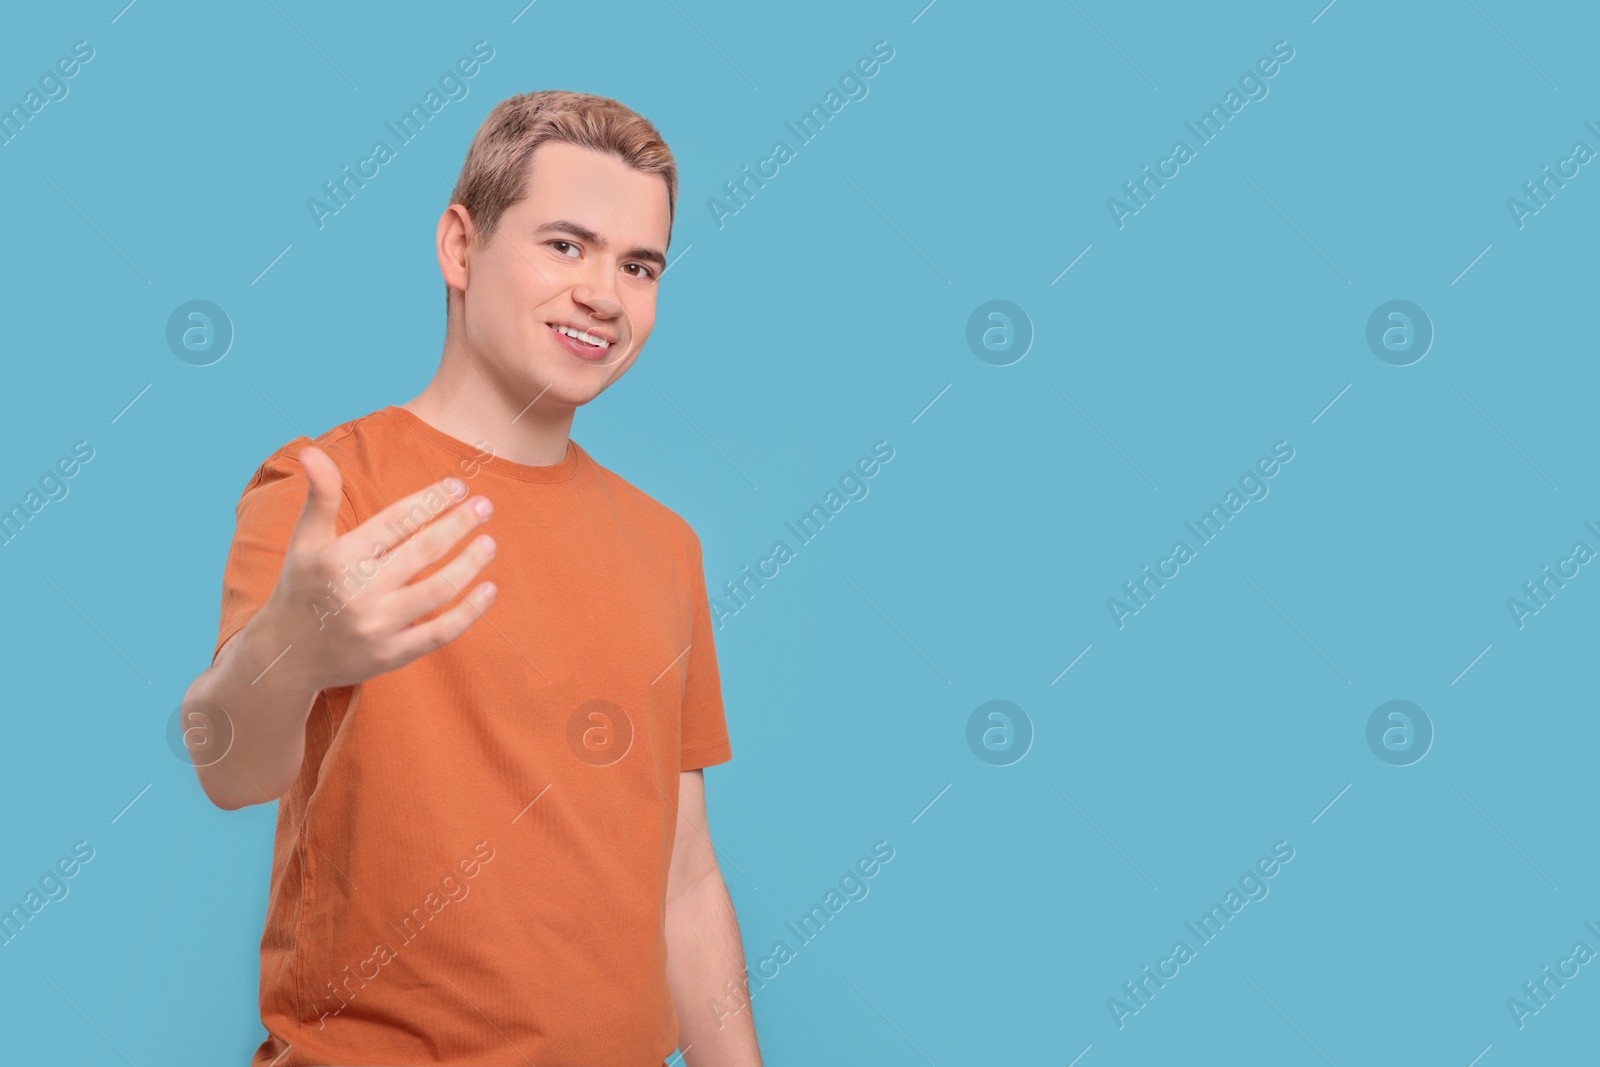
x,y
584,233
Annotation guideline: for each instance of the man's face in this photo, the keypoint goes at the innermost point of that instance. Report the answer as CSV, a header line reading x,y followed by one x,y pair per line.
x,y
583,249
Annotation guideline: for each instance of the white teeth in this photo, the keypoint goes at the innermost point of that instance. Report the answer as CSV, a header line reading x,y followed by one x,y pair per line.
x,y
584,336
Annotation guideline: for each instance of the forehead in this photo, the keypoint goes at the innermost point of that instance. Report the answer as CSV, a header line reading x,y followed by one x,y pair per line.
x,y
596,189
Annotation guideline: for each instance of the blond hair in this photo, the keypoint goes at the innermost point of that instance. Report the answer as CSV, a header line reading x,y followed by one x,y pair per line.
x,y
495,173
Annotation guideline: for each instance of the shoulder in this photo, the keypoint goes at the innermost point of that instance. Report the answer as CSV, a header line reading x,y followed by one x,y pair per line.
x,y
353,440
657,519
353,446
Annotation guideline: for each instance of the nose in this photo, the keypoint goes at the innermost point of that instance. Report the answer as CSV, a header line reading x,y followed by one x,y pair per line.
x,y
597,291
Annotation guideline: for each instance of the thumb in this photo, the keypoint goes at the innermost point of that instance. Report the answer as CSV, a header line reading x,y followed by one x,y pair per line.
x,y
315,526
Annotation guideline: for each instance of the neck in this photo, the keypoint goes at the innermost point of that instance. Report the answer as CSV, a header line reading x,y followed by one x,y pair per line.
x,y
467,403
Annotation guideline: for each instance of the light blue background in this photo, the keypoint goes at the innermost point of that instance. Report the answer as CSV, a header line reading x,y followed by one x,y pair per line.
x,y
825,316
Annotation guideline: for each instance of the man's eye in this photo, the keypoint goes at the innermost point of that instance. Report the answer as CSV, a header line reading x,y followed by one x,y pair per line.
x,y
557,245
647,272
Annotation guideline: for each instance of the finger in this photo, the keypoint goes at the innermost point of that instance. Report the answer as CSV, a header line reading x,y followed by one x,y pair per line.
x,y
406,516
422,598
424,637
316,525
430,545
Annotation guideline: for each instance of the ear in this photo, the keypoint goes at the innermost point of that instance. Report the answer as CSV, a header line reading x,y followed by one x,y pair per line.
x,y
454,245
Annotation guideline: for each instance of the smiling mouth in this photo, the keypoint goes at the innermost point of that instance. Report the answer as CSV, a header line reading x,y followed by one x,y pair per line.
x,y
590,341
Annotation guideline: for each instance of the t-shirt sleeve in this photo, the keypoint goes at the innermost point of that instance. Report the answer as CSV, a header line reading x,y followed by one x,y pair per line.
x,y
704,732
267,513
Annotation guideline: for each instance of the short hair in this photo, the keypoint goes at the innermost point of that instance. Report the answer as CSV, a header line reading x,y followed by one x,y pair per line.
x,y
495,173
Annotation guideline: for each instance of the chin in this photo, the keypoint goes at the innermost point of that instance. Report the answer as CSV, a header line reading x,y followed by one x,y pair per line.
x,y
563,389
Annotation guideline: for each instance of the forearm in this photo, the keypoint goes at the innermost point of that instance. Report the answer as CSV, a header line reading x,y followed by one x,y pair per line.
x,y
706,971
264,705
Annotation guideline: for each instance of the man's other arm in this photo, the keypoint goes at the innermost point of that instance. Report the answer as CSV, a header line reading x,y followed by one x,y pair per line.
x,y
705,956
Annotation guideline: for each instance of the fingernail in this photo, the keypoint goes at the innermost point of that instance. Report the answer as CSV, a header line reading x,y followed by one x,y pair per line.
x,y
483,507
453,486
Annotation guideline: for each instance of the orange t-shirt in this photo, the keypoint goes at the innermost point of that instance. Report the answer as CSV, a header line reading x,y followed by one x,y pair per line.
x,y
471,866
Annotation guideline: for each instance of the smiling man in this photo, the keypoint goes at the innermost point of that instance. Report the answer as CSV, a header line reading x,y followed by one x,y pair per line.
x,y
491,838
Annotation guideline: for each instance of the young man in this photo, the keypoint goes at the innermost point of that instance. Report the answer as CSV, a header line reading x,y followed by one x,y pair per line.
x,y
491,843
